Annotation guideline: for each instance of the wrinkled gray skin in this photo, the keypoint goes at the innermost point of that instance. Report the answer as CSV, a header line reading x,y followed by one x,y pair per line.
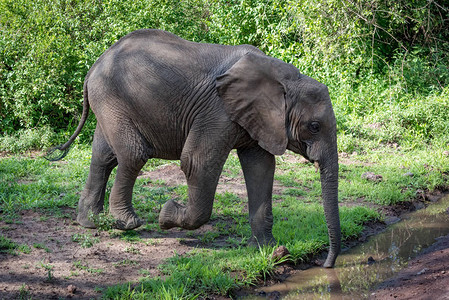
x,y
156,95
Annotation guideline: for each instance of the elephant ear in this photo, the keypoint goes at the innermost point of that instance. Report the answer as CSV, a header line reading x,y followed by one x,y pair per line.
x,y
254,99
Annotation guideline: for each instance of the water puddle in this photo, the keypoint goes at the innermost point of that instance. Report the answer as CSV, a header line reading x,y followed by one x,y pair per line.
x,y
360,269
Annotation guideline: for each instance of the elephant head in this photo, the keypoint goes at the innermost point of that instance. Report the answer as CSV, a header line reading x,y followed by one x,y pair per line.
x,y
283,109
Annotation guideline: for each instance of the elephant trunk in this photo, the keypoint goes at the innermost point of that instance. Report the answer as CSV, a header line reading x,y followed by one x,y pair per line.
x,y
329,188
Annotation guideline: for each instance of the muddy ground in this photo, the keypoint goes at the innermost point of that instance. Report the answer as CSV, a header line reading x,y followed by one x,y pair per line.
x,y
426,276
58,267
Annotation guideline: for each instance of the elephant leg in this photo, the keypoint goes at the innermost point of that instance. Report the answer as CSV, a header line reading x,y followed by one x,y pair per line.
x,y
132,152
258,168
120,200
102,163
202,160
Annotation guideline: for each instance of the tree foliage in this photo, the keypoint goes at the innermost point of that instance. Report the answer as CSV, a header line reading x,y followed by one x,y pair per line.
x,y
47,47
369,52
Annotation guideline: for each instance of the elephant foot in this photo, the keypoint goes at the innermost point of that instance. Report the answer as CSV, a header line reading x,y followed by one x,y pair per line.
x,y
126,221
330,261
129,224
262,241
84,221
174,214
86,208
168,217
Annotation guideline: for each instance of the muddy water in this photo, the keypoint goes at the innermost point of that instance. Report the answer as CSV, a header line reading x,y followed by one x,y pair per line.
x,y
361,268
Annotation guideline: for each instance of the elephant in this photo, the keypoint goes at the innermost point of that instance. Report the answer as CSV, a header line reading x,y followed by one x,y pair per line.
x,y
156,95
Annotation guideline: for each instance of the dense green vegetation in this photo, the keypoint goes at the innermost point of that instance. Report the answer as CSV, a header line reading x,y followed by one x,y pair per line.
x,y
386,65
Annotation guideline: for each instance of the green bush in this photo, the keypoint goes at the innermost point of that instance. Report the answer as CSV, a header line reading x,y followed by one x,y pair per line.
x,y
24,139
375,56
47,47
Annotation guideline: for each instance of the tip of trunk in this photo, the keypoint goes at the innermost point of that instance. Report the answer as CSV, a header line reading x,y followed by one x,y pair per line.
x,y
330,261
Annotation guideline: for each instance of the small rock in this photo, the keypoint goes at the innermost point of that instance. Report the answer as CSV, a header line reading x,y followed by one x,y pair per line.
x,y
408,174
391,220
419,205
422,271
280,252
71,289
372,177
371,260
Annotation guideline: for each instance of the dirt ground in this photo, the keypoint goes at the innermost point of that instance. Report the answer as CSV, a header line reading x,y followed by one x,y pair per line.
x,y
59,268
426,277
75,271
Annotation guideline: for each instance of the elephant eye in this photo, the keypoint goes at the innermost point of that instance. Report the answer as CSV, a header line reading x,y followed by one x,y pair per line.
x,y
314,127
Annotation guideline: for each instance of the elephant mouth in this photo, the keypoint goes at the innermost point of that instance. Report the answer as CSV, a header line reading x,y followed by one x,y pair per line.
x,y
300,148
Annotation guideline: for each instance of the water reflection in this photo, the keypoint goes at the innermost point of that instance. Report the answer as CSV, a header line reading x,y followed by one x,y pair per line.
x,y
355,273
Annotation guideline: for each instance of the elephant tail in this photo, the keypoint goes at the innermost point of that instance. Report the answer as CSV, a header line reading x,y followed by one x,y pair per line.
x,y
52,154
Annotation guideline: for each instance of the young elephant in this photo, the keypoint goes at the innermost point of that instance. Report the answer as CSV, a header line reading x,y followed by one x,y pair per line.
x,y
156,95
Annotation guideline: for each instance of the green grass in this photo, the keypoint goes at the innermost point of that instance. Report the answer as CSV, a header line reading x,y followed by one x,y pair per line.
x,y
41,246
85,240
28,183
299,224
429,169
10,247
85,267
6,245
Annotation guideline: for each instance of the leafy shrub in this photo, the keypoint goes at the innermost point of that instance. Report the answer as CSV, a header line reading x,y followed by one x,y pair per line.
x,y
25,139
47,47
373,55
